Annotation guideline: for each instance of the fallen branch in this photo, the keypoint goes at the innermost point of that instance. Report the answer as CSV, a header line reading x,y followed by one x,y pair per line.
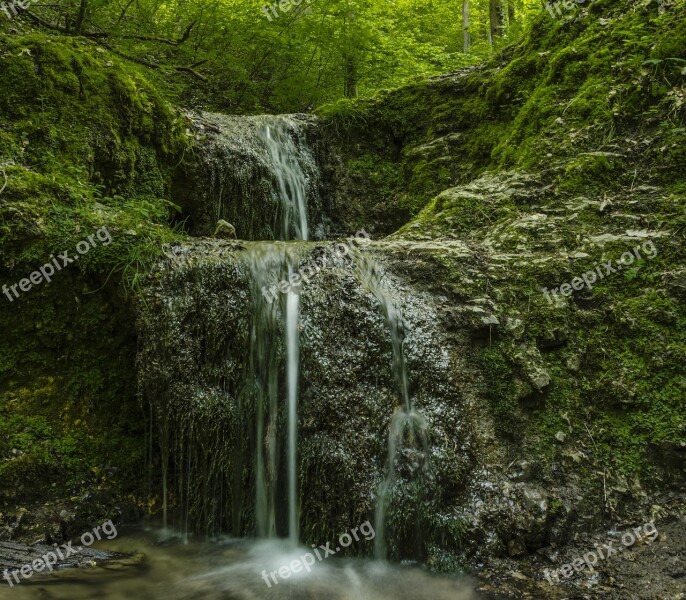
x,y
145,38
191,69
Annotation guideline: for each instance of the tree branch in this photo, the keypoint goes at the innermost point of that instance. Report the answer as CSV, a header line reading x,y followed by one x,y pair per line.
x,y
146,38
43,23
192,71
102,36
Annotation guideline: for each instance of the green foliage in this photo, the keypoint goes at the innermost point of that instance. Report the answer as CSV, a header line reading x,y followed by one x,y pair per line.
x,y
238,56
86,143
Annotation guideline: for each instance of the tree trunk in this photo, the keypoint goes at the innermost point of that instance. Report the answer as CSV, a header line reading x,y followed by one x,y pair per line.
x,y
465,26
496,25
80,17
350,77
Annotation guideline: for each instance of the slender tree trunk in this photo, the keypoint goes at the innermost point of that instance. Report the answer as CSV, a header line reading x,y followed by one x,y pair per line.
x,y
349,61
350,77
495,19
465,26
78,25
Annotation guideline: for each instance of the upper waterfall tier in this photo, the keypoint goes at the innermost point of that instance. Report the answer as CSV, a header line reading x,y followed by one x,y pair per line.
x,y
256,172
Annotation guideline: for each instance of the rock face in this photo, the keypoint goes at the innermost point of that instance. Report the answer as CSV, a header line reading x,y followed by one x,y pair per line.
x,y
553,406
197,349
491,362
553,428
238,174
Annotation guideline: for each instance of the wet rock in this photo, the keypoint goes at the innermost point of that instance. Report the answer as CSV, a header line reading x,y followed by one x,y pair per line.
x,y
521,470
233,174
14,556
194,366
517,547
528,357
224,230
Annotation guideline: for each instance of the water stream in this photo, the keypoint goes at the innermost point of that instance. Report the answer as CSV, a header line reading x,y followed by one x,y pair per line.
x,y
293,370
231,568
270,264
268,404
408,427
277,134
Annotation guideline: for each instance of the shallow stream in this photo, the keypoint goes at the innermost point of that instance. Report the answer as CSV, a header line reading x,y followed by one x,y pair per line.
x,y
231,569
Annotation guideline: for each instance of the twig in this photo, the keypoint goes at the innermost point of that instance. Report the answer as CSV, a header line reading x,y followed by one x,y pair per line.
x,y
607,506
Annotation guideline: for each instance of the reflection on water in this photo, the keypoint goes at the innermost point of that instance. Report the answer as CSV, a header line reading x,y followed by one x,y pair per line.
x,y
232,570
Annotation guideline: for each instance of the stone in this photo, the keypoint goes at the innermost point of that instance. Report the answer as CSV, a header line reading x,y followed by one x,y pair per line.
x,y
224,230
516,547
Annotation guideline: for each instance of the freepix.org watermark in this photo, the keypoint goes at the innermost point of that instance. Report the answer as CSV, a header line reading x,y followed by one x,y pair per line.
x,y
46,272
15,7
307,560
312,268
602,552
50,559
589,277
566,4
284,6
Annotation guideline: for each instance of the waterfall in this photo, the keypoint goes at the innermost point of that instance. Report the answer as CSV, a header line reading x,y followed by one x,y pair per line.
x,y
273,322
256,172
262,384
276,133
259,173
408,427
278,138
229,416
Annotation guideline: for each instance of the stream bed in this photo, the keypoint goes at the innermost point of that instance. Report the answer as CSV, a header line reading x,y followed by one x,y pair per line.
x,y
231,569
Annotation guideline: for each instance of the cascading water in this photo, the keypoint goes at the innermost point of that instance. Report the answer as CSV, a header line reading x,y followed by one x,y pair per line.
x,y
278,138
408,427
293,368
230,416
290,185
274,321
263,380
258,173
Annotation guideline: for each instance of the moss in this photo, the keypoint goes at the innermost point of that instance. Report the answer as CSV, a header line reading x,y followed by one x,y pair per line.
x,y
86,143
571,85
597,169
593,103
500,391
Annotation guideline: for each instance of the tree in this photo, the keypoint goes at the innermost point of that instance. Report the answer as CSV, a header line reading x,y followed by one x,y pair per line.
x,y
465,27
495,21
